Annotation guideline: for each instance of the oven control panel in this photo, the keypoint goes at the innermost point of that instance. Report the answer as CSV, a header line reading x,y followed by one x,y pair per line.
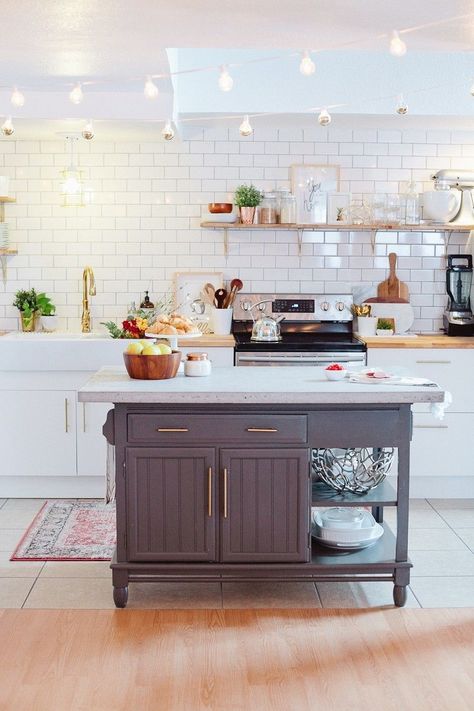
x,y
295,307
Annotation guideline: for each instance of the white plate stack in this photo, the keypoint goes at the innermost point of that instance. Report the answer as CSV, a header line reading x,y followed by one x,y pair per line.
x,y
345,528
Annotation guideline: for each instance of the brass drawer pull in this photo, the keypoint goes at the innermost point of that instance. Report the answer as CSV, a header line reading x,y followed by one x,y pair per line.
x,y
172,429
66,415
430,427
209,492
262,429
225,493
84,428
435,362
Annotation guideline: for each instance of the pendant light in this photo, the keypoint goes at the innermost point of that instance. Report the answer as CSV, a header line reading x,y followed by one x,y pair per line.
x,y
7,127
72,188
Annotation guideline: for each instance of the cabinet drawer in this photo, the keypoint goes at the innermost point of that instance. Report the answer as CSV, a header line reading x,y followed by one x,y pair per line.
x,y
358,428
248,429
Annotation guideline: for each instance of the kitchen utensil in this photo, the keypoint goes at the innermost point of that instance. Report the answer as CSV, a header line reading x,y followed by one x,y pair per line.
x,y
235,286
267,329
392,286
221,321
402,314
209,294
188,288
440,205
220,296
458,319
220,207
462,181
152,367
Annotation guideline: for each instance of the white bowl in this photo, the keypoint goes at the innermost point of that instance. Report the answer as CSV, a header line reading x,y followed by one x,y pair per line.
x,y
335,374
357,534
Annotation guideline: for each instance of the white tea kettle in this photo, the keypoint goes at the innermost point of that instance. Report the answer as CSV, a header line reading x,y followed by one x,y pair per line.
x,y
266,329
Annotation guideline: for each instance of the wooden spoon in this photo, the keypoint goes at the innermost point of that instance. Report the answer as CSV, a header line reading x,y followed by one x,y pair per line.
x,y
235,286
221,295
209,294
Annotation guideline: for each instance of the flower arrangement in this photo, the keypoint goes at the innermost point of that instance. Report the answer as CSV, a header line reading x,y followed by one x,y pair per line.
x,y
131,328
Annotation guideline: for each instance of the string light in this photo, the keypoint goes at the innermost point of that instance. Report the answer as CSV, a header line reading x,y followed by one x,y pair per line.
x,y
307,66
72,189
245,129
88,131
76,95
168,132
225,80
397,46
402,107
472,90
17,99
7,127
324,118
150,89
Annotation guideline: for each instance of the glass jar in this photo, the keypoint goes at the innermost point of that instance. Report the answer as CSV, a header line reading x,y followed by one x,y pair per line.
x,y
393,209
267,214
287,209
412,205
197,365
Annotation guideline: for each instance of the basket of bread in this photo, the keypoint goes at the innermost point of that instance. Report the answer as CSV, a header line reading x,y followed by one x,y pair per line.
x,y
174,325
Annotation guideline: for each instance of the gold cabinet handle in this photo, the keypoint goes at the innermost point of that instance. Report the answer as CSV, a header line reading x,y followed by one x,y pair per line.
x,y
84,417
435,362
262,429
430,427
66,417
225,493
209,492
172,429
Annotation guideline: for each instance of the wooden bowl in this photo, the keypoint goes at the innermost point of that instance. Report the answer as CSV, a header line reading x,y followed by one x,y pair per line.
x,y
152,367
220,207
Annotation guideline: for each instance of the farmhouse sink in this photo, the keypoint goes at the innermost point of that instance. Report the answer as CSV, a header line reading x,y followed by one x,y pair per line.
x,y
54,336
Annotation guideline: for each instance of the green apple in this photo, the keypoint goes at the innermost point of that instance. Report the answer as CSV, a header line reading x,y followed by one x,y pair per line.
x,y
146,342
134,348
164,348
151,350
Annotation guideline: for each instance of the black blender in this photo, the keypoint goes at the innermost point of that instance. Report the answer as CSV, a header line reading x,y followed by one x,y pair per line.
x,y
458,319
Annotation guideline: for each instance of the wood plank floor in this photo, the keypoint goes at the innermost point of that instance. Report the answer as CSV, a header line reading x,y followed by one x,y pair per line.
x,y
228,660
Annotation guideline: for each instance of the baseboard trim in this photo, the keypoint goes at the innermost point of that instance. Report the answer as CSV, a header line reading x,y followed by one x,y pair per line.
x,y
52,487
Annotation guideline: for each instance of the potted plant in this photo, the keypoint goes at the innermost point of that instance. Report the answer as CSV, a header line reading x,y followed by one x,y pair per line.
x,y
47,313
26,303
384,327
247,197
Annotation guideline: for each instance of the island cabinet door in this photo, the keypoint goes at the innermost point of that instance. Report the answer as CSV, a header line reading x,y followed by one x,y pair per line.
x,y
170,509
265,505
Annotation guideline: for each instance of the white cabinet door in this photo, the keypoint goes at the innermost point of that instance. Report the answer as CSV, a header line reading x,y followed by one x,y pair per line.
x,y
38,433
91,443
442,448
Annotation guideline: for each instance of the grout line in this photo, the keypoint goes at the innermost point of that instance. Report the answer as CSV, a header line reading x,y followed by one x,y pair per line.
x,y
29,593
317,594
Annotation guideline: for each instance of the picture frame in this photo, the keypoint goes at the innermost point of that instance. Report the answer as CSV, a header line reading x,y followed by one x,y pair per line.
x,y
339,208
311,185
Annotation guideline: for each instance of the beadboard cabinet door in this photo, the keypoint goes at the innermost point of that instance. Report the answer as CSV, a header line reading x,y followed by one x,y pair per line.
x,y
171,504
38,433
264,501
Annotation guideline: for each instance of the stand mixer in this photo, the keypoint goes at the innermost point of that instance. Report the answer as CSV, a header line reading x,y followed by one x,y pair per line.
x,y
462,180
458,319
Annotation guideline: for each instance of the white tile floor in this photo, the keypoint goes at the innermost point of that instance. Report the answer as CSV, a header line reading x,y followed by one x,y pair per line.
x,y
441,549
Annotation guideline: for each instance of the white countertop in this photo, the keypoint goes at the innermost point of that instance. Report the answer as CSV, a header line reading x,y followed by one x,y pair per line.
x,y
250,385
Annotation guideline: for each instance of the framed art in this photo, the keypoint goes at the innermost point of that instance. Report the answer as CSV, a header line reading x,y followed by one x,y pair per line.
x,y
311,185
338,208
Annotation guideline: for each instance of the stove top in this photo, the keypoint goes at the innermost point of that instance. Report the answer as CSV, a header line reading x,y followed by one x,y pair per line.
x,y
301,342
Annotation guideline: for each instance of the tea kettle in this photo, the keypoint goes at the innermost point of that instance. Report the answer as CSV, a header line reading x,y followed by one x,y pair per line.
x,y
266,328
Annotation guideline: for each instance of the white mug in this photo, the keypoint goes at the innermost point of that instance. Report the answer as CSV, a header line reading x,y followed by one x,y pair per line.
x,y
221,321
441,205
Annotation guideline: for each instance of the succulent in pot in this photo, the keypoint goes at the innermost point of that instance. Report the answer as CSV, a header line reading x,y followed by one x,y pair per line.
x,y
247,198
384,327
26,302
47,313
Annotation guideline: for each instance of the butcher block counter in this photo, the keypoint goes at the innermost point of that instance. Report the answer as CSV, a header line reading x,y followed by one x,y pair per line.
x,y
214,475
435,340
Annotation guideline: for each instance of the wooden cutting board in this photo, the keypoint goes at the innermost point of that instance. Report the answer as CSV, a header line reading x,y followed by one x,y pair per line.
x,y
393,287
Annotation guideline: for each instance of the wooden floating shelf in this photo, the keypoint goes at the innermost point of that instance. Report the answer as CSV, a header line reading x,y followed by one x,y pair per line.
x,y
446,229
3,198
8,252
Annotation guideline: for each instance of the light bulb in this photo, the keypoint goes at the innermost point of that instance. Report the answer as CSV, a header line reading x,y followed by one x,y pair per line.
x,y
245,129
225,80
88,131
150,89
307,66
167,132
17,99
402,107
472,90
7,127
324,118
76,95
397,46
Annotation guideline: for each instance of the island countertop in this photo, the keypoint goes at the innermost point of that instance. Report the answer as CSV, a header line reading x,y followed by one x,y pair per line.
x,y
251,385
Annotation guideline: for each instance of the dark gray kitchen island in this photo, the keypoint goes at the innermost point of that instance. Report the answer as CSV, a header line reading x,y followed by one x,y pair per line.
x,y
213,475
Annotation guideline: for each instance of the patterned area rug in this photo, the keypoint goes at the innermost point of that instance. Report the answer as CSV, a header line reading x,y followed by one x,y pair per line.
x,y
69,530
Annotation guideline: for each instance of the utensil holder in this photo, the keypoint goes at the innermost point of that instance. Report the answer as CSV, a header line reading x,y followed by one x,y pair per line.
x,y
366,325
221,321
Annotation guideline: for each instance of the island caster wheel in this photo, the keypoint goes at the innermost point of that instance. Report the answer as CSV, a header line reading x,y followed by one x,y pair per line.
x,y
121,596
399,595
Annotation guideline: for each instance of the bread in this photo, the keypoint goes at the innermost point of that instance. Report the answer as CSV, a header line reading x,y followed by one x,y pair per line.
x,y
173,325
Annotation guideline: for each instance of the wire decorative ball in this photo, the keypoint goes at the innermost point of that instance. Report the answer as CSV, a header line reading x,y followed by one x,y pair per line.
x,y
356,469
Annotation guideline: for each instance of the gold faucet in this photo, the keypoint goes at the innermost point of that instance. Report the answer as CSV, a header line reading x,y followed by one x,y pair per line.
x,y
87,274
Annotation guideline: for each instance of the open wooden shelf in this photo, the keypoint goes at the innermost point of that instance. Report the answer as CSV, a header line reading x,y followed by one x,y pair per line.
x,y
4,198
382,495
381,553
446,229
8,252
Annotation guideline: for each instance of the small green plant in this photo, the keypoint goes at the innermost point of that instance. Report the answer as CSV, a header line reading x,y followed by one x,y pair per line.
x,y
26,301
44,305
247,196
384,325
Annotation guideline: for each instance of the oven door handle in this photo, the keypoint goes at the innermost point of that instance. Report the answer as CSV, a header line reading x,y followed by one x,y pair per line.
x,y
277,359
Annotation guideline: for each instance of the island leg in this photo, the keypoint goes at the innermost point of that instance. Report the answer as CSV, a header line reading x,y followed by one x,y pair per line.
x,y
120,583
